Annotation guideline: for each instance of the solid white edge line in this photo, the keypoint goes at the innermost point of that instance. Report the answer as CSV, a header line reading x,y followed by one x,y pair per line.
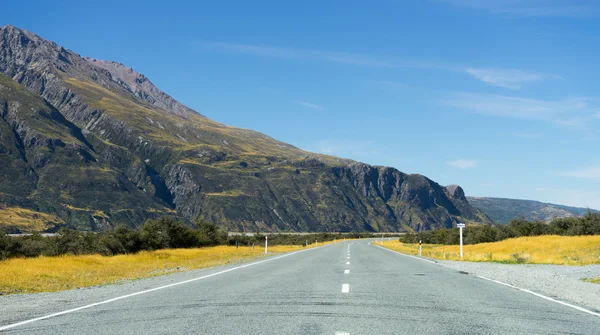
x,y
581,309
151,290
506,284
345,288
399,253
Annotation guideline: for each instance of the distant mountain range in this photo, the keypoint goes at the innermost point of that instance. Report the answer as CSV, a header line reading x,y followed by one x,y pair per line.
x,y
502,210
90,144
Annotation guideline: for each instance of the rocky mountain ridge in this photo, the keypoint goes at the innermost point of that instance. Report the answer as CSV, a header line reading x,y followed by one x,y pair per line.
x,y
182,163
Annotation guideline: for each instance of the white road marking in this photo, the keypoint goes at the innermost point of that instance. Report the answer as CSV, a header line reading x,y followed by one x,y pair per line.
x,y
346,272
150,290
505,284
581,309
341,333
399,253
345,288
347,263
348,257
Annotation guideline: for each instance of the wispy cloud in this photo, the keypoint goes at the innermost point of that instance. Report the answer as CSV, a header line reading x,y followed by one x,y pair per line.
x,y
570,112
589,173
309,105
323,55
463,163
532,8
508,78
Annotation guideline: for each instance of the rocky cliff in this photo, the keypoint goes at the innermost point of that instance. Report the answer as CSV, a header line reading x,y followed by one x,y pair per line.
x,y
172,160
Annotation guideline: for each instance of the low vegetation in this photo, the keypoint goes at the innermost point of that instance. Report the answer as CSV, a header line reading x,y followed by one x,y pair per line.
x,y
548,249
588,224
163,233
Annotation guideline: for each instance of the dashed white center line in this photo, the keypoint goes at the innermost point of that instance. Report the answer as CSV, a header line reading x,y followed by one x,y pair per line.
x,y
347,263
341,333
346,272
348,257
345,288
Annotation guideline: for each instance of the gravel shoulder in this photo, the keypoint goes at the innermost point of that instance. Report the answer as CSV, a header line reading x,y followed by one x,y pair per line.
x,y
557,281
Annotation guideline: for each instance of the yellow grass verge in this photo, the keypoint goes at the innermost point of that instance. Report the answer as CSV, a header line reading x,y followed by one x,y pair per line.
x,y
548,249
50,274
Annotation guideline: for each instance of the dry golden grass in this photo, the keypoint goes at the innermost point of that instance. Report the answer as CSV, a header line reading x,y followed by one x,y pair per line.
x,y
549,249
50,274
26,220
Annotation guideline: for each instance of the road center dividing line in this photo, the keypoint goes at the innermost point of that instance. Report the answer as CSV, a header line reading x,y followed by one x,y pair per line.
x,y
347,263
345,288
151,290
346,272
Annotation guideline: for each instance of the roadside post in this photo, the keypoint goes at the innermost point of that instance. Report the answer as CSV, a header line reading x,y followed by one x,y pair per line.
x,y
316,243
420,248
266,244
461,226
236,244
307,243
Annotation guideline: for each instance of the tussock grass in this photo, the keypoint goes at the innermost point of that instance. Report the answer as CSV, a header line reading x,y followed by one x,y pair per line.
x,y
26,220
546,249
50,274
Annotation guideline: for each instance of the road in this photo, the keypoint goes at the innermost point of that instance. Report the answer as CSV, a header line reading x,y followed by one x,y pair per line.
x,y
345,288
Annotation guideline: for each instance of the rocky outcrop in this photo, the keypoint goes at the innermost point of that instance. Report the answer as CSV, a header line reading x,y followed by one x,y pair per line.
x,y
141,154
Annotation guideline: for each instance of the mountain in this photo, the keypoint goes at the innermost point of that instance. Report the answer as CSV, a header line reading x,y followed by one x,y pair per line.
x,y
142,154
502,210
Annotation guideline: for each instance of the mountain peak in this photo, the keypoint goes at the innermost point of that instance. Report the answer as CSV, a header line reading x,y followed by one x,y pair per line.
x,y
456,192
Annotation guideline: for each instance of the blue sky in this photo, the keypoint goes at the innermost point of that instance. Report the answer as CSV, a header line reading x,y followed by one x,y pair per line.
x,y
498,96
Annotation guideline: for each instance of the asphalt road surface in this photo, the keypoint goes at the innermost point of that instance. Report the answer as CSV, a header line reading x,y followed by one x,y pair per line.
x,y
346,288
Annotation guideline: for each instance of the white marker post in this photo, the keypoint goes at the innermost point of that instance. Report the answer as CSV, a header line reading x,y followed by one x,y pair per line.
x,y
316,243
266,244
461,226
420,248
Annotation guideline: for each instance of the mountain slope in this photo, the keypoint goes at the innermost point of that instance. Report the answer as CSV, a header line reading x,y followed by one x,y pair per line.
x,y
238,178
47,165
502,210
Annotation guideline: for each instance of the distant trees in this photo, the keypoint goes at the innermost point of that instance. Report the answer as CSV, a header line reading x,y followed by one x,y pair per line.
x,y
162,233
472,234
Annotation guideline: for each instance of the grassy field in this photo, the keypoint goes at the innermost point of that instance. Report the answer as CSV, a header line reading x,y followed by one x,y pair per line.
x,y
547,249
50,274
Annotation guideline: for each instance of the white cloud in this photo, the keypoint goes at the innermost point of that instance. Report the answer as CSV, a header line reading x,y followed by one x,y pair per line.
x,y
508,78
309,105
322,55
569,112
532,8
589,173
463,163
